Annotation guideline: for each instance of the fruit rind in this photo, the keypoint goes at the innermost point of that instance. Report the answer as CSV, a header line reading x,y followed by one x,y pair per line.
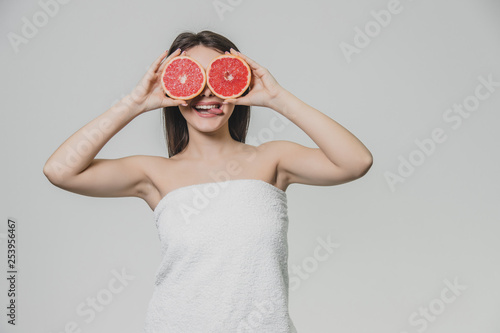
x,y
248,79
172,95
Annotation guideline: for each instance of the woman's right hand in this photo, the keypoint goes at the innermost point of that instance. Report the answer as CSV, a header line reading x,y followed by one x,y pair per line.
x,y
148,94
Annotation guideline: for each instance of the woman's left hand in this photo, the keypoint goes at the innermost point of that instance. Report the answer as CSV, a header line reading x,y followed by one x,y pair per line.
x,y
264,89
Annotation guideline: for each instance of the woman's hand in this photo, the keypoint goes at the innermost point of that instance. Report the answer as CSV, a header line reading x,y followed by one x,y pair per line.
x,y
148,93
264,89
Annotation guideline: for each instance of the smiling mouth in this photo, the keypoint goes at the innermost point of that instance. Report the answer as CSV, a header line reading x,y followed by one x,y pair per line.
x,y
208,108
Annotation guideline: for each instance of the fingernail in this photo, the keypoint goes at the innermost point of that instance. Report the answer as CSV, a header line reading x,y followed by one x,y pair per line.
x,y
184,104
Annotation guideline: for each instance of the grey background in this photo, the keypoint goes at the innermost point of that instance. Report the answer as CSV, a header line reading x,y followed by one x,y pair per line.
x,y
396,247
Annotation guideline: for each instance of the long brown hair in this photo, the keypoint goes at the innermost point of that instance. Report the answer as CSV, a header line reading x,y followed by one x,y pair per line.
x,y
175,126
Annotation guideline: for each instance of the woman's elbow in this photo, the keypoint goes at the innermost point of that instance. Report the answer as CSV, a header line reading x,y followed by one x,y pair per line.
x,y
54,174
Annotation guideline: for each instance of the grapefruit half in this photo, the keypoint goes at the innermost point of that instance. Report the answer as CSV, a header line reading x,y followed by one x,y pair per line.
x,y
228,76
183,78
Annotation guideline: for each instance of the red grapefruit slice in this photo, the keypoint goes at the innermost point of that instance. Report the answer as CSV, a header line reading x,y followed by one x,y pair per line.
x,y
183,78
228,76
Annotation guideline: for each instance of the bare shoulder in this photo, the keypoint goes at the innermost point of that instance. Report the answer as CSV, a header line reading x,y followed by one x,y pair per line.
x,y
278,144
148,163
278,148
296,163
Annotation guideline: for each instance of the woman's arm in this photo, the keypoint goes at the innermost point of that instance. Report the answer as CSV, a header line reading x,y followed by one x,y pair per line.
x,y
73,166
341,157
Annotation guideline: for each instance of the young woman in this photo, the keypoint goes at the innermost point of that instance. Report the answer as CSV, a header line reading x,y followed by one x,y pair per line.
x,y
219,204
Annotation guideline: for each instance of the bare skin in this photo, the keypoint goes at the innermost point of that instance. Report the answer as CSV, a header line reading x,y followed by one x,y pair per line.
x,y
211,151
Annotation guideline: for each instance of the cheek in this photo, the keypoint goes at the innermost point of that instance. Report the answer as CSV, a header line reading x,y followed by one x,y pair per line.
x,y
186,112
185,109
228,109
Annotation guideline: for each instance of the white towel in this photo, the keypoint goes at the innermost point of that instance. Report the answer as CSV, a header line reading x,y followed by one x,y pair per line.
x,y
224,260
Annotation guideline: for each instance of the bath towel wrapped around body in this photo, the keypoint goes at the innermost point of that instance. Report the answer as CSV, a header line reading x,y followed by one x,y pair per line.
x,y
224,260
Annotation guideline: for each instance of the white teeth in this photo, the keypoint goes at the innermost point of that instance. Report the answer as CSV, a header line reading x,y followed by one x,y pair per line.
x,y
205,107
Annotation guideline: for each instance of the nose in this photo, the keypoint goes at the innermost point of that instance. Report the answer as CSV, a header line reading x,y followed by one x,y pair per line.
x,y
207,92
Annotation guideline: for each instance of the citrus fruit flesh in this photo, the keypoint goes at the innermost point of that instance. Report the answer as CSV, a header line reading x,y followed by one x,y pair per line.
x,y
183,78
228,76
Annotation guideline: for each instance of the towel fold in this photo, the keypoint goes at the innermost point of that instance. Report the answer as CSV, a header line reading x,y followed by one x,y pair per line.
x,y
224,260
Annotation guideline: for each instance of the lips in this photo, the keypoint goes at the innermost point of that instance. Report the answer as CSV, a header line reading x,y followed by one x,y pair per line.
x,y
208,107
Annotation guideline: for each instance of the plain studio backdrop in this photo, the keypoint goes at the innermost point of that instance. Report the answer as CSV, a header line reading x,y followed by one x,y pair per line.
x,y
413,246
